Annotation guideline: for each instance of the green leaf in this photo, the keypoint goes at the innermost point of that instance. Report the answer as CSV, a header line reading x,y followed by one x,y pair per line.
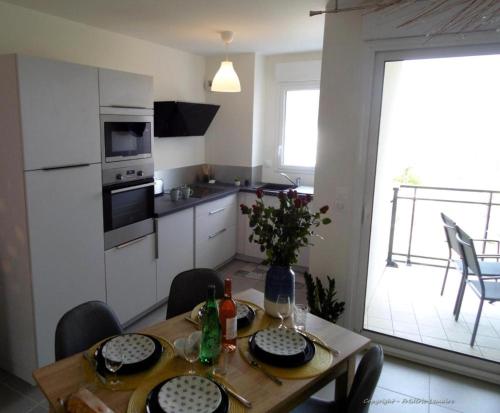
x,y
326,221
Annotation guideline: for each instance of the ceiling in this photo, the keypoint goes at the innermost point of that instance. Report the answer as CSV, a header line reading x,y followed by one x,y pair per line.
x,y
261,26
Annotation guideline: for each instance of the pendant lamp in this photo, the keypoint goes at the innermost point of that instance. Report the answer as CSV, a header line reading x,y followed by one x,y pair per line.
x,y
226,79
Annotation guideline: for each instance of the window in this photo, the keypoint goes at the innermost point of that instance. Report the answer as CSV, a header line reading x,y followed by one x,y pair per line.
x,y
299,126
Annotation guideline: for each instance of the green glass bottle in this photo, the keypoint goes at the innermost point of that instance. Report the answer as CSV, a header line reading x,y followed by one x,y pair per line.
x,y
211,331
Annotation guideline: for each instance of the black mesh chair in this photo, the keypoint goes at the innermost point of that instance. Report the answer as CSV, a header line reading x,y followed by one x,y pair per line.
x,y
363,387
489,268
484,287
83,326
189,288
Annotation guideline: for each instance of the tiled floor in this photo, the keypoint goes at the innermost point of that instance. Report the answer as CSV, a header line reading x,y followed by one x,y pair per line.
x,y
407,303
404,387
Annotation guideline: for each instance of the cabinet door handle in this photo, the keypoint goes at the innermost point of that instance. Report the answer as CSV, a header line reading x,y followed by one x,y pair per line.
x,y
53,168
216,211
134,241
157,247
217,233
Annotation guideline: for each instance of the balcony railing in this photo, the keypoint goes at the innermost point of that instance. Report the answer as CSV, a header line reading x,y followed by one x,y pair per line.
x,y
416,232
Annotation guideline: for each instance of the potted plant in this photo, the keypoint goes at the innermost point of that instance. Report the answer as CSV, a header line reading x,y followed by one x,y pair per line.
x,y
237,181
322,301
281,232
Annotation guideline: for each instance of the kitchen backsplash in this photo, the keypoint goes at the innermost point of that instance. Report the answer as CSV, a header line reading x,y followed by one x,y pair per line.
x,y
194,173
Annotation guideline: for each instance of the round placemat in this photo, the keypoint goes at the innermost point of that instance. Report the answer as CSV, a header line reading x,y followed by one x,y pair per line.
x,y
131,381
137,401
321,362
261,321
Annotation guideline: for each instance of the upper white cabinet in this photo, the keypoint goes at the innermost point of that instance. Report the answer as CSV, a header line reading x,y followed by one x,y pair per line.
x,y
59,113
66,244
175,248
131,277
123,89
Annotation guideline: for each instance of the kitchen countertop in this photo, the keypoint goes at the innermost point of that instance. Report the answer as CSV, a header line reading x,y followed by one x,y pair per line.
x,y
165,206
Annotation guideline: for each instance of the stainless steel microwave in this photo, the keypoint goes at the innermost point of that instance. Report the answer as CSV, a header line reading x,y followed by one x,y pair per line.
x,y
126,137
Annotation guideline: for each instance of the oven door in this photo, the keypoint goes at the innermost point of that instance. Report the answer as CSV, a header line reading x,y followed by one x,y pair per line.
x,y
128,210
126,137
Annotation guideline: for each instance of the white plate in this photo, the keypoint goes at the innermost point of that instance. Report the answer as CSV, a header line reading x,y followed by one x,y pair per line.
x,y
189,394
135,348
280,342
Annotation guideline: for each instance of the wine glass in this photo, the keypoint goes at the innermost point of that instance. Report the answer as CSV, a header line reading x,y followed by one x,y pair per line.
x,y
283,307
113,359
192,349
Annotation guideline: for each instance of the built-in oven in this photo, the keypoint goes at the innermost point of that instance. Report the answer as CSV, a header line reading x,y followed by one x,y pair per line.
x,y
126,137
128,206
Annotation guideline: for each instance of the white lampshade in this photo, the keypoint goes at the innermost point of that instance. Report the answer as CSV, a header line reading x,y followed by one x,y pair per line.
x,y
226,79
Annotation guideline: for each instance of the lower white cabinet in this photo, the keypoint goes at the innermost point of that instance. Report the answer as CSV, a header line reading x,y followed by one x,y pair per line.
x,y
131,277
175,248
215,229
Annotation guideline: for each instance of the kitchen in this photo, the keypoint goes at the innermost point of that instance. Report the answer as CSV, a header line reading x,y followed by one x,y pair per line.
x,y
241,141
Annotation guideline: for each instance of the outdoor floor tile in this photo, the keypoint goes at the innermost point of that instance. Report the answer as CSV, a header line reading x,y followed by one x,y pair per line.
x,y
491,342
411,328
466,349
432,341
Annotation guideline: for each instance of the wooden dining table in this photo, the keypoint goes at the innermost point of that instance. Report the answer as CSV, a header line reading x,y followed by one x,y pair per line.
x,y
60,379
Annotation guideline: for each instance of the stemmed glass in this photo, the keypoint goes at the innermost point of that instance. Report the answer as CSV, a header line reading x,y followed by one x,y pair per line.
x,y
192,349
113,359
283,308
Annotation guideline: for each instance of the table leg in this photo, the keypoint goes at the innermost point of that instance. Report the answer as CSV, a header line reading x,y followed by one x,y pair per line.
x,y
343,382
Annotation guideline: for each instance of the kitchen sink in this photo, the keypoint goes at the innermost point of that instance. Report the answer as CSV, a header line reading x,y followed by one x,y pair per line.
x,y
277,187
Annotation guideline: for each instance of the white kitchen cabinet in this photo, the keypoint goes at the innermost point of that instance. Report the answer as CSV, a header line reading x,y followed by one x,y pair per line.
x,y
131,277
251,249
59,105
66,246
175,248
124,89
215,229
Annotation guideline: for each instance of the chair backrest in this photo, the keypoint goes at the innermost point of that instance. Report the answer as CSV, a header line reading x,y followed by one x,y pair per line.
x,y
468,254
189,288
451,233
365,381
83,326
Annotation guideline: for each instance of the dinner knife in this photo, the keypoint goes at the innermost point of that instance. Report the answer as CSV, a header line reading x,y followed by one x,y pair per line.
x,y
256,365
232,392
319,342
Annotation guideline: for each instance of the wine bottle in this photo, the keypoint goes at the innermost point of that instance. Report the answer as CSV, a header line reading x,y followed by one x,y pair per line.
x,y
227,317
210,330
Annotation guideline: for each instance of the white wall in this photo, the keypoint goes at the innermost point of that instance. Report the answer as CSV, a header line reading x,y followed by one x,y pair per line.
x,y
229,138
177,75
272,118
340,129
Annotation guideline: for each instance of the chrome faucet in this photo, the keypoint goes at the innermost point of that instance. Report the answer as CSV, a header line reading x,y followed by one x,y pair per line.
x,y
296,182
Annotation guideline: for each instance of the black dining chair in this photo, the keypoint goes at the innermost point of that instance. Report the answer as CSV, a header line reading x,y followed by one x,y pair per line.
x,y
81,327
485,288
362,389
189,288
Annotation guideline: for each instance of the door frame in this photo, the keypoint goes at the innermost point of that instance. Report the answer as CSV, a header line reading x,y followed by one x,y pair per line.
x,y
380,52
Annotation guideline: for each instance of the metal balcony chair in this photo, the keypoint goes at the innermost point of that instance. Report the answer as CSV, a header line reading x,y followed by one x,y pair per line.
x,y
83,326
485,288
488,267
189,288
362,389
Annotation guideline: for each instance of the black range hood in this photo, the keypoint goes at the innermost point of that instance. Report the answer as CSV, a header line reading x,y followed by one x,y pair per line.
x,y
173,119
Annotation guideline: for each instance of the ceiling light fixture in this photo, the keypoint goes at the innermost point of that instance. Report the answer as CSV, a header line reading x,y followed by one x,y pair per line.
x,y
226,79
